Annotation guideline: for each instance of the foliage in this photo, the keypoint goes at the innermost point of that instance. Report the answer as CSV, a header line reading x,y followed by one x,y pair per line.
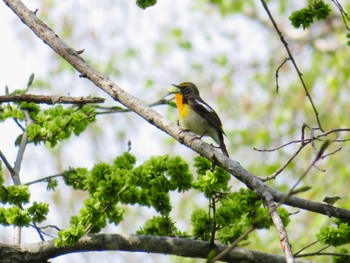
x,y
160,226
231,213
316,9
335,236
56,124
344,257
145,3
150,184
15,196
51,125
122,183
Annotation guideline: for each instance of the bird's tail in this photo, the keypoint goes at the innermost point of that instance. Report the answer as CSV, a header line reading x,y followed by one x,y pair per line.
x,y
222,145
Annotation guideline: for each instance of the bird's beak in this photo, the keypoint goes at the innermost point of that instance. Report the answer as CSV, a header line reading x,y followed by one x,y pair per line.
x,y
173,90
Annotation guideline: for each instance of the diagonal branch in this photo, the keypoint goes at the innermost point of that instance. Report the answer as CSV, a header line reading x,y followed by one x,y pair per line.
x,y
290,56
282,233
153,117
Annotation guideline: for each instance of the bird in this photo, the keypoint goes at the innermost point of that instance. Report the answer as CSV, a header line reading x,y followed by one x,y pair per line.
x,y
330,200
197,116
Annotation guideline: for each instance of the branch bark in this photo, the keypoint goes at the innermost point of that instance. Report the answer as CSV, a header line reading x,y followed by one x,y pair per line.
x,y
53,99
42,251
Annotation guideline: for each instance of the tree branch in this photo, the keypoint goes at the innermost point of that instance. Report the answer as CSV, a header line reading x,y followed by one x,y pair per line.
x,y
153,117
290,56
53,99
189,139
281,231
42,251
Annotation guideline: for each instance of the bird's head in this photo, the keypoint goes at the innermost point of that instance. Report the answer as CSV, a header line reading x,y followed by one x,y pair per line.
x,y
186,88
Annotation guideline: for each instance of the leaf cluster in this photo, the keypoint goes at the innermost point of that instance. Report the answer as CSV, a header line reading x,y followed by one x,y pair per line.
x,y
231,213
51,125
343,257
305,17
145,3
57,123
110,186
14,197
335,235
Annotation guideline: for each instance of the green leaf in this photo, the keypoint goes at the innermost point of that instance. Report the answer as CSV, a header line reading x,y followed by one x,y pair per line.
x,y
15,216
202,224
38,211
343,257
305,16
76,177
18,194
52,183
158,226
320,10
335,236
70,235
145,3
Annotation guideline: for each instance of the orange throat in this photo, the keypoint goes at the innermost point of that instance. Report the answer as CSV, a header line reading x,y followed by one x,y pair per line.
x,y
179,104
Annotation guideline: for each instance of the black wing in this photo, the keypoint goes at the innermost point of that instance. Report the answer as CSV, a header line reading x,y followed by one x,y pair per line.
x,y
203,109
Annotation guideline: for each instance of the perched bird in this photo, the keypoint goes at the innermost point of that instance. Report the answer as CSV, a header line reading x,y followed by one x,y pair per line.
x,y
330,200
197,116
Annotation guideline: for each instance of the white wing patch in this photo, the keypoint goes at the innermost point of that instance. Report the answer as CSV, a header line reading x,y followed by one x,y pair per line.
x,y
206,106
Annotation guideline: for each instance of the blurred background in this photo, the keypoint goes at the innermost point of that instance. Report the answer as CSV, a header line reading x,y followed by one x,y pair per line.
x,y
230,50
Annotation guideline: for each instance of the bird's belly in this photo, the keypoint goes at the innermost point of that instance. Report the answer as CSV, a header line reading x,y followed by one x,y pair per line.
x,y
195,123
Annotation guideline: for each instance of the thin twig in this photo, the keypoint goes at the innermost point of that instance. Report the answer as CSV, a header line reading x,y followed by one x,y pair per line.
x,y
308,140
331,153
293,62
21,150
279,147
117,109
322,249
38,231
275,174
213,230
343,14
91,225
323,254
45,178
17,167
7,164
232,246
277,72
315,160
306,247
50,226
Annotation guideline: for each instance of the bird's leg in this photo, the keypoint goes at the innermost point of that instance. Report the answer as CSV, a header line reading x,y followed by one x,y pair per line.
x,y
217,147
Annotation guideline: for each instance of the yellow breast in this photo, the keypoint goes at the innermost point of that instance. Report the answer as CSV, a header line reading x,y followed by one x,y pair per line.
x,y
183,109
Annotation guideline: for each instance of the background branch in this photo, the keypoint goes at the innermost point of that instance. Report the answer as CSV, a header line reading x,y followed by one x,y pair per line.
x,y
290,56
53,99
42,251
